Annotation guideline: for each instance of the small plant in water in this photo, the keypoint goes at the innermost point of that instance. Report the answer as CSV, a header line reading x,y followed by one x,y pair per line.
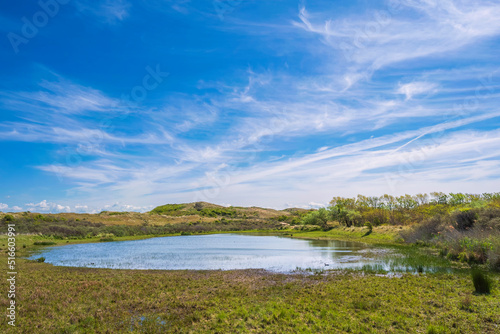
x,y
481,281
40,259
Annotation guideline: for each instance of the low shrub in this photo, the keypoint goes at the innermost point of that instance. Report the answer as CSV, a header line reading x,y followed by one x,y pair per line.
x,y
40,259
482,283
494,258
464,219
43,243
424,231
8,218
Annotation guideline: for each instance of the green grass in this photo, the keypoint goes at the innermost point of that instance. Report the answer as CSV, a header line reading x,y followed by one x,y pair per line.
x,y
383,235
86,300
83,300
169,209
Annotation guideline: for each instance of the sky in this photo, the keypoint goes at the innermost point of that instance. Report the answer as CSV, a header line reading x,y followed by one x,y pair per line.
x,y
125,105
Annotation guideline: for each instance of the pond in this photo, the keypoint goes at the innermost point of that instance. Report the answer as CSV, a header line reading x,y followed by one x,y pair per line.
x,y
227,251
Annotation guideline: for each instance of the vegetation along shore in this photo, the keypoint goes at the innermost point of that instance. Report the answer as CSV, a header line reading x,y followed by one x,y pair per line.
x,y
461,230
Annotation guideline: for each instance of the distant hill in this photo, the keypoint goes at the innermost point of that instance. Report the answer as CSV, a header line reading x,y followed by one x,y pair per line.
x,y
169,214
205,209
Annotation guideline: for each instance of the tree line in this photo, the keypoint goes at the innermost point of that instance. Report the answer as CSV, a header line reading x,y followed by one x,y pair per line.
x,y
397,210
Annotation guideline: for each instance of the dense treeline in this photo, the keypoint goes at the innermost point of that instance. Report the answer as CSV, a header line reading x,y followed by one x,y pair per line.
x,y
403,210
59,227
465,227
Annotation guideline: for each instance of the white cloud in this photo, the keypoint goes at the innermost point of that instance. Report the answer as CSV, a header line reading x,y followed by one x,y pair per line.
x,y
45,206
15,208
415,88
160,158
314,205
383,37
60,96
127,207
50,207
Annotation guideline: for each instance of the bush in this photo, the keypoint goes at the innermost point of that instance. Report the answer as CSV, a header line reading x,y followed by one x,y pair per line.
x,y
489,217
482,283
494,258
282,218
8,218
494,223
319,218
43,243
476,250
40,259
424,231
464,219
198,206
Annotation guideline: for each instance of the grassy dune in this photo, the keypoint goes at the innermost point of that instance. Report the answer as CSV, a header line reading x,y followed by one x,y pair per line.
x,y
173,214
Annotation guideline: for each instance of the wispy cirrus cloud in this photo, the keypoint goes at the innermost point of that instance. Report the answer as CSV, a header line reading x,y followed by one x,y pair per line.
x,y
387,36
107,11
415,88
401,97
60,96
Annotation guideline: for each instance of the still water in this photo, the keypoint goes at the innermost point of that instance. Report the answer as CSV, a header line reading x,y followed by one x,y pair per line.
x,y
219,251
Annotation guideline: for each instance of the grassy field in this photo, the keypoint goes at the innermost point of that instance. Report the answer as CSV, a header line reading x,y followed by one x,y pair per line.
x,y
383,235
80,300
77,300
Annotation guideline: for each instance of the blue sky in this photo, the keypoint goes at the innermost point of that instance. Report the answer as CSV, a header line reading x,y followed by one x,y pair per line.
x,y
125,105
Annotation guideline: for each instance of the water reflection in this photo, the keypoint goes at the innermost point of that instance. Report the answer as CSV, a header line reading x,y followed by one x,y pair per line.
x,y
228,251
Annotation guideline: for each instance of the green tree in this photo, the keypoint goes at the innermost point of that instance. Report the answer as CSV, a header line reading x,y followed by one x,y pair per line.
x,y
319,218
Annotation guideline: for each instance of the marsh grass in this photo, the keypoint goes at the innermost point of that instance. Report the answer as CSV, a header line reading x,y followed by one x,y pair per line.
x,y
481,281
86,300
436,330
366,305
